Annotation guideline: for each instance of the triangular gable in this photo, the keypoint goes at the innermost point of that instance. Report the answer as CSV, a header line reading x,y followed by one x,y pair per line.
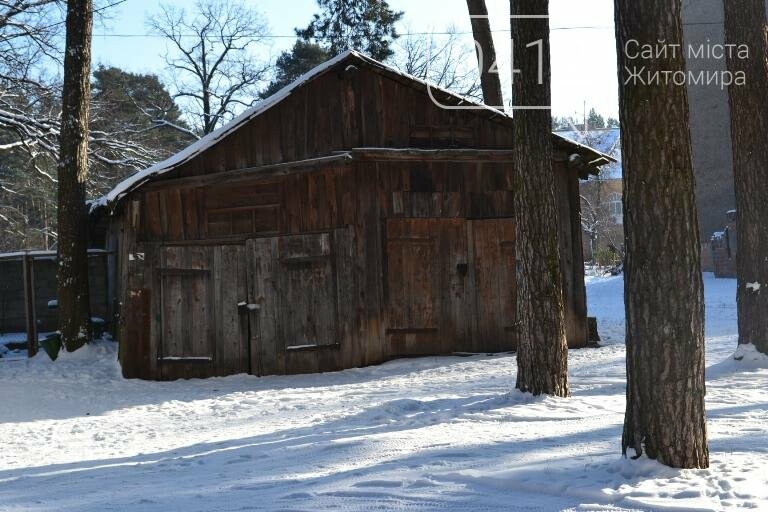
x,y
206,142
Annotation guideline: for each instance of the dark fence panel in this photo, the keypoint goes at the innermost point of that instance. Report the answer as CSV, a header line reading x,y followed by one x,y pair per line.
x,y
43,272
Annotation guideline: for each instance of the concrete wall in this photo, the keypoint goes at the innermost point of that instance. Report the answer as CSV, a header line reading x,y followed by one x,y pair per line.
x,y
710,118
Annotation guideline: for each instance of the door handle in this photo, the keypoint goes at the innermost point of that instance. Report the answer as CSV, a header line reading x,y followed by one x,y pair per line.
x,y
242,305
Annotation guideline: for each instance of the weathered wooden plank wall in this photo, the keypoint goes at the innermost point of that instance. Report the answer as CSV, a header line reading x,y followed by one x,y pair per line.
x,y
342,110
463,207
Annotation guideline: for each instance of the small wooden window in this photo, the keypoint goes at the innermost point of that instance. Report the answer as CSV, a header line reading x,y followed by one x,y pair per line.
x,y
441,137
236,210
241,221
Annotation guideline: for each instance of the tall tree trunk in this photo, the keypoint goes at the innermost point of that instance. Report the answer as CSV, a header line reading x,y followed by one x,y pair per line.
x,y
542,354
663,290
746,24
74,308
486,54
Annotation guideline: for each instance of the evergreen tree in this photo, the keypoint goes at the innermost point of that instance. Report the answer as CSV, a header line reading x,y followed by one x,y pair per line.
x,y
290,65
134,108
364,25
612,122
139,105
595,121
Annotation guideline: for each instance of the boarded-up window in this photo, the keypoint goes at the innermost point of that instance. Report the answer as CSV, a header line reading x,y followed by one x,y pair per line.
x,y
241,221
441,137
232,210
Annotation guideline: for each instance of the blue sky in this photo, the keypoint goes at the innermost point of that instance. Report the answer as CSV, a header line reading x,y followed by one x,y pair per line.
x,y
583,59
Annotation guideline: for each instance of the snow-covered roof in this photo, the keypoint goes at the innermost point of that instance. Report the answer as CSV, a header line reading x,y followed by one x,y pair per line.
x,y
212,138
606,141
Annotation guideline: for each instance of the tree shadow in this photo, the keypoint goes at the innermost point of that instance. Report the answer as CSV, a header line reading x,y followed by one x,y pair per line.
x,y
62,394
322,460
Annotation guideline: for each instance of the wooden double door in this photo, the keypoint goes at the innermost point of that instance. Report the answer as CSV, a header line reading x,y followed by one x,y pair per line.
x,y
230,309
450,285
283,304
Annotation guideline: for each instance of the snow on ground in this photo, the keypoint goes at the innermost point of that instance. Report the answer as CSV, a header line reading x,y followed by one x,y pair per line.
x,y
419,434
15,340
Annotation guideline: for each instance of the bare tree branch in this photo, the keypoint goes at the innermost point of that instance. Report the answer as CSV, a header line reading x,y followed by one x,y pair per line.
x,y
209,58
443,60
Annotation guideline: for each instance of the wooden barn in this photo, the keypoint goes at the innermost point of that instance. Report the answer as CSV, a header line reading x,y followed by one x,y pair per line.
x,y
345,221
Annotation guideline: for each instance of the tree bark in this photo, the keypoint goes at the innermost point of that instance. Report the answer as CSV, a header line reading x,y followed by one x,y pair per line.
x,y
663,290
542,354
74,306
746,24
486,54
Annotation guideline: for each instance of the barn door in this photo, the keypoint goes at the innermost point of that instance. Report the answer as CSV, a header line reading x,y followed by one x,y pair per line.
x,y
203,332
427,279
293,284
186,304
493,255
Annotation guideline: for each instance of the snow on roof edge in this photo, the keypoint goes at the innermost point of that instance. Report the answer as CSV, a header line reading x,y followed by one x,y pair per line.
x,y
209,140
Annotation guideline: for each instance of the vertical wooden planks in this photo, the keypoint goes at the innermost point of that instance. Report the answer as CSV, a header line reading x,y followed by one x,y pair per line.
x,y
494,283
191,225
174,214
172,322
187,312
343,254
262,255
152,221
456,301
371,248
508,283
578,298
139,324
412,286
571,259
230,320
308,302
450,285
138,359
486,262
29,304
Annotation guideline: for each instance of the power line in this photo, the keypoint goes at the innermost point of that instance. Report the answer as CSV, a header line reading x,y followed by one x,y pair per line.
x,y
444,33
285,36
104,8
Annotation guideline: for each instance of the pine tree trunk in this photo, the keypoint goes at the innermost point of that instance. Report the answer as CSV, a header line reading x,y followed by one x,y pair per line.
x,y
745,24
663,288
542,354
73,307
486,54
